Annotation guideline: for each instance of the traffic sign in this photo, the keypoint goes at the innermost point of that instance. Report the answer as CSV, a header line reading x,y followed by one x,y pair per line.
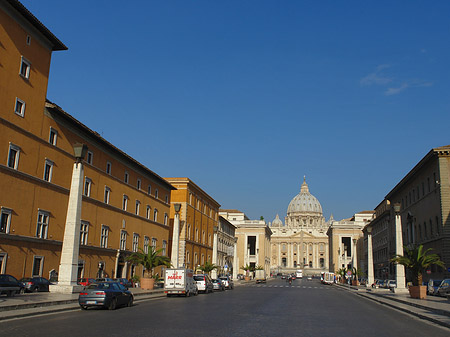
x,y
349,273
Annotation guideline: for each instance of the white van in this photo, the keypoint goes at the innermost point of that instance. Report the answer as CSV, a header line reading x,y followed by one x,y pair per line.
x,y
180,281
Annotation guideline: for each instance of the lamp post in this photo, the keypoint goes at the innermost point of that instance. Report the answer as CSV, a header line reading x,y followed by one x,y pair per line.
x,y
214,256
399,269
68,267
176,236
370,276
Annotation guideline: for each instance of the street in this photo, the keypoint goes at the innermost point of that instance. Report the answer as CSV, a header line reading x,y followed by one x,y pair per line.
x,y
307,308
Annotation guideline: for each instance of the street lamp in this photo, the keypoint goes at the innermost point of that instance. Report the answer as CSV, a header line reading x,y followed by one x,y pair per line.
x,y
80,151
176,236
399,269
370,275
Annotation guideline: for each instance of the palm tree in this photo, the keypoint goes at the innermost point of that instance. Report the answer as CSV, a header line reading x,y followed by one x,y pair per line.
x,y
416,260
149,261
208,267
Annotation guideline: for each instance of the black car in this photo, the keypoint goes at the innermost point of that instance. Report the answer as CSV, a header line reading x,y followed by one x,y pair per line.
x,y
124,282
9,285
105,294
33,284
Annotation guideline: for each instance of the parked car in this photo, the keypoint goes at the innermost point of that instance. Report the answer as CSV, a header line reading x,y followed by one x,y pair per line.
x,y
9,285
124,282
391,284
204,283
103,279
33,284
85,281
105,294
433,286
227,282
218,284
444,288
240,276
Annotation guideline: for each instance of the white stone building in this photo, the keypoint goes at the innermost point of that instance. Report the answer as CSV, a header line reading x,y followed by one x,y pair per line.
x,y
302,242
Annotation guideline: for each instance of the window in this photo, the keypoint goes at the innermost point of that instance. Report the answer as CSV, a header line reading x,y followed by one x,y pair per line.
x,y
196,234
108,167
3,258
42,225
154,243
203,237
25,66
135,242
167,199
125,202
53,136
166,217
149,190
138,206
13,156
107,194
146,243
126,177
104,237
164,247
209,239
190,198
38,262
156,193
48,169
28,40
148,212
155,215
138,184
87,186
19,107
123,240
90,157
5,220
189,231
84,231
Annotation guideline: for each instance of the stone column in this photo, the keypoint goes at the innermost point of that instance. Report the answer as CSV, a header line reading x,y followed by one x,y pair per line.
x,y
175,239
279,254
214,256
370,276
68,267
399,269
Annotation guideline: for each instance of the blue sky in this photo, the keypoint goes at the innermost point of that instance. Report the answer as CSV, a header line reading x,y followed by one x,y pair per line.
x,y
247,97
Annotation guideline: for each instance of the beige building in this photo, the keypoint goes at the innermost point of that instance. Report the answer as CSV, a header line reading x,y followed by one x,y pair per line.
x,y
224,248
302,242
424,196
345,239
253,240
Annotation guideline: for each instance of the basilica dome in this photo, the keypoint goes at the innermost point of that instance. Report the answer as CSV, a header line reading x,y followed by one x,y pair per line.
x,y
304,202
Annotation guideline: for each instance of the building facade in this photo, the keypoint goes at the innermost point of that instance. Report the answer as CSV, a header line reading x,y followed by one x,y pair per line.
x,y
302,242
125,206
253,241
346,242
226,247
199,216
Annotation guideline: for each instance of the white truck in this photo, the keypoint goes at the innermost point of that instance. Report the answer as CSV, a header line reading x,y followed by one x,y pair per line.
x,y
179,281
260,276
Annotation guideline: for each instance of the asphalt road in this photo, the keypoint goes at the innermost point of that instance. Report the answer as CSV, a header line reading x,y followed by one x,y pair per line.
x,y
306,308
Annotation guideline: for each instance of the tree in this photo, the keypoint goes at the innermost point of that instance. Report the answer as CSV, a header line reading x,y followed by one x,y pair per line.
x,y
261,218
259,267
416,260
208,267
149,261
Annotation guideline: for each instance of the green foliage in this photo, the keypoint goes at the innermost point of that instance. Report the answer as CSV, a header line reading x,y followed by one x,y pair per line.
x,y
135,279
416,260
149,261
207,267
259,267
261,218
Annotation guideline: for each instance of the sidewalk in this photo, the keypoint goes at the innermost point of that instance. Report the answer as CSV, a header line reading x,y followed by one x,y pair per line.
x,y
434,309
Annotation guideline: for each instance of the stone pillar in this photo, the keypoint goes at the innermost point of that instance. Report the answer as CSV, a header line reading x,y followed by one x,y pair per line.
x,y
399,269
116,267
175,241
370,276
68,267
279,254
214,256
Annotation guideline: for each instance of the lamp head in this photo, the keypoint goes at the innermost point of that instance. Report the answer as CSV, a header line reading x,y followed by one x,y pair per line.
x,y
177,207
79,151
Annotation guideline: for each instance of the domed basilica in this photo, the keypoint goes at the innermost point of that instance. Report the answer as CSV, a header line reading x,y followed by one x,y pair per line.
x,y
302,242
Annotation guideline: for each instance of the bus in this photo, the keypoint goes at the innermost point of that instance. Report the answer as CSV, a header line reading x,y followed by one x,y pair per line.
x,y
299,273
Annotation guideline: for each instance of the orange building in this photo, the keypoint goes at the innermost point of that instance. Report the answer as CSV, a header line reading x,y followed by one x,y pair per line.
x,y
199,217
125,206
